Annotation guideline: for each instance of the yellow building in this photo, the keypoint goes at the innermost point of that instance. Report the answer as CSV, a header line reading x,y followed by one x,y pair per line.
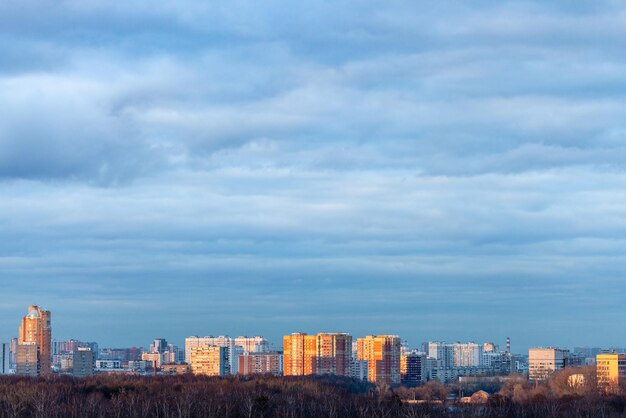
x,y
324,353
382,353
209,360
36,329
611,370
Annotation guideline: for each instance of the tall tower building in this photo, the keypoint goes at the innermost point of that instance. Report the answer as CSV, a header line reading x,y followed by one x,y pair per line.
x,y
298,352
333,354
324,353
382,353
35,335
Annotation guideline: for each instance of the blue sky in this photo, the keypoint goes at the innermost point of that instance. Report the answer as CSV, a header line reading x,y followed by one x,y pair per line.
x,y
440,170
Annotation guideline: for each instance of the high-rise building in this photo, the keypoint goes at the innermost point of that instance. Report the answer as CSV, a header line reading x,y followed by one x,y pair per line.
x,y
324,353
413,368
333,354
36,330
543,362
358,369
443,353
83,362
221,341
256,344
467,354
298,352
611,371
261,363
13,353
5,360
28,359
383,355
209,360
159,345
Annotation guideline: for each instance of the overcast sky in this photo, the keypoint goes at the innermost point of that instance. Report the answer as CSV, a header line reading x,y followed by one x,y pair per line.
x,y
438,170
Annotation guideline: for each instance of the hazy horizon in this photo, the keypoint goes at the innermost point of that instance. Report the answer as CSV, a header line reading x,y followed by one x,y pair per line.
x,y
436,170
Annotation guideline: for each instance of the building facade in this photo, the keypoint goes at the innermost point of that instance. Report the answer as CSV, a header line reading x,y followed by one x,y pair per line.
x,y
467,354
35,329
382,352
324,353
413,368
611,371
543,362
255,344
28,360
222,341
261,363
83,362
209,360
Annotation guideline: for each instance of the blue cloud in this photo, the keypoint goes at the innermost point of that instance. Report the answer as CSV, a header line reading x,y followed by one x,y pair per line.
x,y
414,168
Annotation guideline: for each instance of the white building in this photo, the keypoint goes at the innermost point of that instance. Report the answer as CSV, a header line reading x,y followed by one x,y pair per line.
x,y
255,344
467,354
442,352
358,369
543,362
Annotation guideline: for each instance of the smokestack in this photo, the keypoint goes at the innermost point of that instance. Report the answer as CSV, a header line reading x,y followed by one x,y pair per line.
x,y
508,344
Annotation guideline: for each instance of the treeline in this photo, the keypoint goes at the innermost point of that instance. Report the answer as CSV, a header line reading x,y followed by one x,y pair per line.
x,y
281,397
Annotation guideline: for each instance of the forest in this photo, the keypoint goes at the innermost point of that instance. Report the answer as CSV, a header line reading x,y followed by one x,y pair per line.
x,y
298,397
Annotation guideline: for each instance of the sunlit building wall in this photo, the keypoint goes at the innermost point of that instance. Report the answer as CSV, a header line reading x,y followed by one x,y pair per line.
x,y
611,371
324,353
383,355
220,341
299,350
36,329
543,362
209,361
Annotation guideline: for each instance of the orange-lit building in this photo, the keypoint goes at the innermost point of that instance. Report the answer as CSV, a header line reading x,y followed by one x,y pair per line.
x,y
36,332
298,352
382,352
611,371
324,353
210,360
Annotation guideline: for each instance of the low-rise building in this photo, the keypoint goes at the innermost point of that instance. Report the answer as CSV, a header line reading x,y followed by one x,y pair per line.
x,y
543,362
181,368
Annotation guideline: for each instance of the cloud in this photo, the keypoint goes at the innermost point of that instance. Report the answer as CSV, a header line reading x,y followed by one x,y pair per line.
x,y
308,164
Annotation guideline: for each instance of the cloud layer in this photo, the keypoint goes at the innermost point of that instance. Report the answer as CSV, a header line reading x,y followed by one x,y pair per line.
x,y
437,170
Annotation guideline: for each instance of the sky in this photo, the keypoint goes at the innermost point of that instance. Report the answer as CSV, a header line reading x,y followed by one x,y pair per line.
x,y
440,170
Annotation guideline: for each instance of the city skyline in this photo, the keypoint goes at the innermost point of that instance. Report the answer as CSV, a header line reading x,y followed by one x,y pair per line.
x,y
443,170
488,339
